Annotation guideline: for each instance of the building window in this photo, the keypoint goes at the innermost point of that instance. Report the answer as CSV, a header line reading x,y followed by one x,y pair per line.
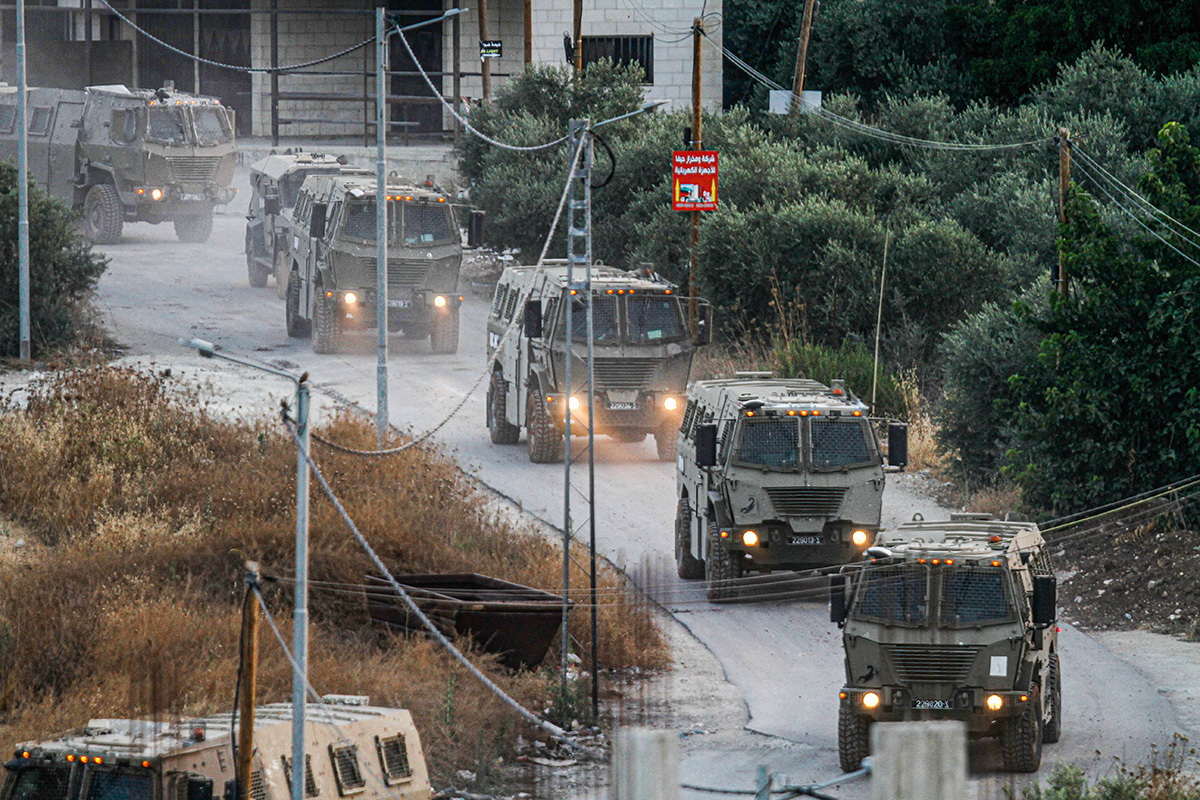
x,y
623,50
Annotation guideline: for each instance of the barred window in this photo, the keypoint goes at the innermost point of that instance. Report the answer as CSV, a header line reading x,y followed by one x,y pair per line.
x,y
310,783
621,50
40,783
770,442
604,319
120,786
653,319
689,416
499,298
425,223
393,757
346,769
973,597
894,594
510,304
838,444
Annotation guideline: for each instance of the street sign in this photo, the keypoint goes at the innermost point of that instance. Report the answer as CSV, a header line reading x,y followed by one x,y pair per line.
x,y
694,176
490,48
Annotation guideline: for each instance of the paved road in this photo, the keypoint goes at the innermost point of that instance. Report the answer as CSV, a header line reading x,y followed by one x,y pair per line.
x,y
784,658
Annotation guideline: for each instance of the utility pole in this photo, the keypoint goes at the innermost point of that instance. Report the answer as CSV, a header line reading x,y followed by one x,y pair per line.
x,y
381,228
1061,279
300,616
87,42
801,56
485,64
246,692
274,74
577,36
693,266
22,188
528,32
196,45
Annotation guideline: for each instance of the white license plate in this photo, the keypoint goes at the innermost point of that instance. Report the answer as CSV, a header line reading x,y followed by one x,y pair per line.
x,y
622,406
399,303
804,540
938,705
193,197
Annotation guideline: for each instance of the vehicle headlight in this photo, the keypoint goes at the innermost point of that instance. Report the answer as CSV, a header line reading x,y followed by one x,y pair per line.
x,y
439,301
750,538
156,194
870,700
670,404
859,538
995,702
351,298
573,403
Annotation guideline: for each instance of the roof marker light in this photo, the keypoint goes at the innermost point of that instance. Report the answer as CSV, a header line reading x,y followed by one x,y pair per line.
x,y
995,538
949,562
668,291
791,412
858,413
816,412
995,563
146,764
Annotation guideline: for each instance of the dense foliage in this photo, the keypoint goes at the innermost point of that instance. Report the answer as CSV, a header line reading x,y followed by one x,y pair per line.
x,y
63,270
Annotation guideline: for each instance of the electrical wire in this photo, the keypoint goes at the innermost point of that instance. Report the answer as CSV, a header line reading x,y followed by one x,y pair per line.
x,y
612,160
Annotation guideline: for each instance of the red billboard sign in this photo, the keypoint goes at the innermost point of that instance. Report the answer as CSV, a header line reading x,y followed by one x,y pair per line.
x,y
695,180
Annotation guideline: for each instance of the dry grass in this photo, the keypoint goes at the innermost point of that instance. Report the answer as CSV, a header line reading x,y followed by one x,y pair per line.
x,y
130,602
923,449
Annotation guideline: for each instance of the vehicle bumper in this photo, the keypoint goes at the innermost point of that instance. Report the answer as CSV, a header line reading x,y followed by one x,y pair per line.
x,y
638,411
411,308
174,201
897,703
780,546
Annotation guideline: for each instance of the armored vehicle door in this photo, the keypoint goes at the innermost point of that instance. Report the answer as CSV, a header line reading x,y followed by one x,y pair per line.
x,y
61,167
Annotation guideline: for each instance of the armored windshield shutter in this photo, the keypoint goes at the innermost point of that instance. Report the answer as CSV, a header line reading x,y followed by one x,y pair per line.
x,y
393,758
310,783
346,769
498,300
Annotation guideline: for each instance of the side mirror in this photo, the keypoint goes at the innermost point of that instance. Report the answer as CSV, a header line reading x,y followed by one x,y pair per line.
x,y
837,599
271,204
706,445
199,788
897,445
1045,599
316,225
475,229
703,325
533,319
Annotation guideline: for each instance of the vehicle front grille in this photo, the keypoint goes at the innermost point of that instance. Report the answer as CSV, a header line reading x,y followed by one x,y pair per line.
x,y
401,274
193,169
806,501
625,373
931,663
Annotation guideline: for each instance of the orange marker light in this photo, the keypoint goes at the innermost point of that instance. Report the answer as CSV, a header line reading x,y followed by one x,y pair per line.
x,y
610,291
146,764
98,760
816,413
83,759
936,561
441,199
25,754
791,412
70,758
995,563
749,413
668,291
804,413
920,561
858,413
950,562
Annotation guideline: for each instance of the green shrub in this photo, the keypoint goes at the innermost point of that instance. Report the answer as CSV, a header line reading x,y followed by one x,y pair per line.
x,y
853,362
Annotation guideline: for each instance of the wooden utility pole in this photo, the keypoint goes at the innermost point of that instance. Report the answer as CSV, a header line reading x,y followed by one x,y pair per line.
x,y
1061,282
249,656
801,56
577,37
485,64
528,32
693,266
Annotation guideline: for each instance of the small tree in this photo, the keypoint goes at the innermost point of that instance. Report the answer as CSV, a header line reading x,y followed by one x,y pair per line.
x,y
63,270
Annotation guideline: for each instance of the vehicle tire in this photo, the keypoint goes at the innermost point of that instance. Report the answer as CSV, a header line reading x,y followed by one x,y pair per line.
x,y
325,326
854,740
1053,728
721,568
283,268
545,441
443,333
194,228
297,327
1021,739
665,441
257,273
501,430
689,567
629,437
103,215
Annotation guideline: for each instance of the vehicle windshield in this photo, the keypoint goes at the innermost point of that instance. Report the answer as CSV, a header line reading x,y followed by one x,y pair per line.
x,y
361,223
896,594
604,320
167,125
653,318
120,786
289,188
836,445
41,783
426,223
975,596
212,126
771,442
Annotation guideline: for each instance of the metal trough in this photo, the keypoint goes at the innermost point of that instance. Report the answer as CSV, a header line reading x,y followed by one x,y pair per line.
x,y
516,622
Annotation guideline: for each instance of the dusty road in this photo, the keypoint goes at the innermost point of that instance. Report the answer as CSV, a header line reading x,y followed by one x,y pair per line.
x,y
783,659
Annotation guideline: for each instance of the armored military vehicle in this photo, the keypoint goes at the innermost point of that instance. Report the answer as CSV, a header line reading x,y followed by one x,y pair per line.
x,y
952,620
121,155
332,278
774,474
274,186
641,348
373,753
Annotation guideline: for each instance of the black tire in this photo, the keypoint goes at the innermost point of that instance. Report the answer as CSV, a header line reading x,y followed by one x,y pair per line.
x,y
689,567
1021,738
283,268
297,327
103,214
194,228
502,431
443,333
665,440
1053,728
325,326
721,568
257,273
629,437
545,441
854,739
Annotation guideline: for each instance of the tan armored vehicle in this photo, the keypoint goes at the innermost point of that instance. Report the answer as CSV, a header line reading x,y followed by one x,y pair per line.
x,y
774,474
332,279
369,752
642,355
274,186
952,620
123,155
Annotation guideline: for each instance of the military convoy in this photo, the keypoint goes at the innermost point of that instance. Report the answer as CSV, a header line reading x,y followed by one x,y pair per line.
x,y
127,155
350,749
331,284
642,354
952,620
774,474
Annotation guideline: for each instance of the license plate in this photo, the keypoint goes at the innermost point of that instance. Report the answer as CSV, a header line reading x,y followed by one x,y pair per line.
x,y
804,540
622,406
938,705
193,197
399,303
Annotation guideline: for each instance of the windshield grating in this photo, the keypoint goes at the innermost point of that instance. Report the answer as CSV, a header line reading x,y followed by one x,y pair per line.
x,y
120,786
425,224
973,597
838,444
894,594
41,783
653,319
770,442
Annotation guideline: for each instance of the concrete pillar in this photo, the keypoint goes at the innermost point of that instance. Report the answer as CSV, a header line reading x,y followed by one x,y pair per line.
x,y
645,765
919,760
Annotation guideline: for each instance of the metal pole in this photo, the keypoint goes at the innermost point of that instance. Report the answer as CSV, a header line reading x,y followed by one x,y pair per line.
x,y
485,64
300,620
87,42
245,732
381,227
196,45
1061,282
591,390
274,75
694,239
456,49
887,236
22,188
133,46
